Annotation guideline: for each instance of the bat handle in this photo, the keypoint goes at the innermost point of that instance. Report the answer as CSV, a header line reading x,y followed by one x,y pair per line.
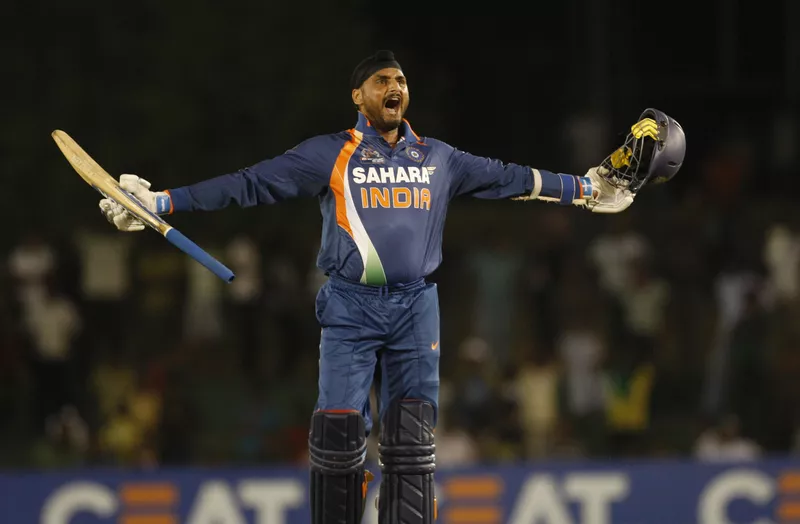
x,y
177,239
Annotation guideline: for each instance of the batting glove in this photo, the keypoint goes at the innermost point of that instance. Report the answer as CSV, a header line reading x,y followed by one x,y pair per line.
x,y
119,216
157,202
606,198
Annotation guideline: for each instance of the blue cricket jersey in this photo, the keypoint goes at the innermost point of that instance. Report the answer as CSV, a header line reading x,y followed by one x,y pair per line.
x,y
383,208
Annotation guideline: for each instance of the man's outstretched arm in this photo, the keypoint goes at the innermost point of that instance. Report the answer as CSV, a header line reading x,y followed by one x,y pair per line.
x,y
488,178
301,171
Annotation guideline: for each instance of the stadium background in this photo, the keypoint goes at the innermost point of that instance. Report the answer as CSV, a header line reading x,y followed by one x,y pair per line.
x,y
654,345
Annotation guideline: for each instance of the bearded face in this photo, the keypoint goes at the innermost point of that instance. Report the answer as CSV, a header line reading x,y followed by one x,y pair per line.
x,y
383,98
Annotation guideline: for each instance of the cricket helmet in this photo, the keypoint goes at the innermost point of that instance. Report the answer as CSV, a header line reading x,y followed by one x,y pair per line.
x,y
652,153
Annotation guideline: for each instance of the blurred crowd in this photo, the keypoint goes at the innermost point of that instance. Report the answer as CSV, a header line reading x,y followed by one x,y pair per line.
x,y
666,331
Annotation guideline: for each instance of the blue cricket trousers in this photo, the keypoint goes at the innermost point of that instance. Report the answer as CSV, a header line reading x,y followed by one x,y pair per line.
x,y
393,330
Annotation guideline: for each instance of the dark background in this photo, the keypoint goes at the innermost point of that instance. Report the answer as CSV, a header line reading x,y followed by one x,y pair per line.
x,y
179,92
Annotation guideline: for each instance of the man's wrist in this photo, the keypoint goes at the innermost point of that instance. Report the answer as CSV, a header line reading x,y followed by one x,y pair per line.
x,y
163,203
561,188
586,190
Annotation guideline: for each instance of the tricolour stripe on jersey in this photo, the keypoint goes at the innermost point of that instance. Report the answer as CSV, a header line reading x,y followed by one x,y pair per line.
x,y
337,182
347,215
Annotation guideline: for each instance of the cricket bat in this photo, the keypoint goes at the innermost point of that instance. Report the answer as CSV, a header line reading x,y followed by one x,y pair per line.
x,y
106,185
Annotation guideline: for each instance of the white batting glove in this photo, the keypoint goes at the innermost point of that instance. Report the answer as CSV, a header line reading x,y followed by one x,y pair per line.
x,y
605,197
157,202
119,216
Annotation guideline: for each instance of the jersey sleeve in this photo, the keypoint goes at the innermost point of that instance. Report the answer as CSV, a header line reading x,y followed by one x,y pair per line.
x,y
488,178
300,172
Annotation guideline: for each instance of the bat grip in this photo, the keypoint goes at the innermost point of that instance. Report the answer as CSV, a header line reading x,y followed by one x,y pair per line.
x,y
177,239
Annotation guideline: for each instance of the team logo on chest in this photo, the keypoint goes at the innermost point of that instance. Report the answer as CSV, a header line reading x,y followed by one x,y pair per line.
x,y
370,156
415,154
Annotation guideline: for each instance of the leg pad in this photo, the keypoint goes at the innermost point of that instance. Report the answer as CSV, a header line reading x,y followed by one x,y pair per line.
x,y
337,447
407,457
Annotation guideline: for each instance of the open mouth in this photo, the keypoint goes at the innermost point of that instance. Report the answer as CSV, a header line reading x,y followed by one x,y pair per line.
x,y
392,104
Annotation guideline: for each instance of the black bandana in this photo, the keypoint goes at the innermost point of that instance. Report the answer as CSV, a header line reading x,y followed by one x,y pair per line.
x,y
370,65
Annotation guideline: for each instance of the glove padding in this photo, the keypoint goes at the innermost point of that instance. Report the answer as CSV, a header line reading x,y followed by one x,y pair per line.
x,y
140,189
119,216
605,197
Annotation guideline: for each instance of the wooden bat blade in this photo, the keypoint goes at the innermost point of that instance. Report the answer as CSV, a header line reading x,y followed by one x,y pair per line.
x,y
98,178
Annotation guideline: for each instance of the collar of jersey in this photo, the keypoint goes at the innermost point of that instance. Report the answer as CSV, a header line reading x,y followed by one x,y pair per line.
x,y
406,133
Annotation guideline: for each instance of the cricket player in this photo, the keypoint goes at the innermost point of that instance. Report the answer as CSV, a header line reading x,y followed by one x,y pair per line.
x,y
384,192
